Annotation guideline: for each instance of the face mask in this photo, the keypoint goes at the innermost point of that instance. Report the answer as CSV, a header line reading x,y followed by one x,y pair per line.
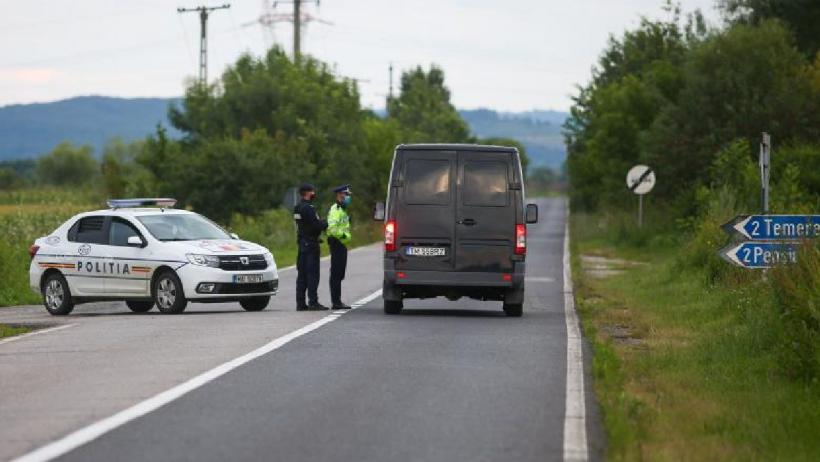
x,y
346,201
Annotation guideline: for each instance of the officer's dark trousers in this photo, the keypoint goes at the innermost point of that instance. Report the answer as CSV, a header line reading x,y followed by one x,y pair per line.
x,y
338,265
307,267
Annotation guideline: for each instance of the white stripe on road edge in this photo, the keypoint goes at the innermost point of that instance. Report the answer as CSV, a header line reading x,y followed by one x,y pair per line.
x,y
36,332
575,424
95,430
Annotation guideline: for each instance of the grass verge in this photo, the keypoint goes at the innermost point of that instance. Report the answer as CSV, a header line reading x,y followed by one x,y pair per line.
x,y
685,368
10,331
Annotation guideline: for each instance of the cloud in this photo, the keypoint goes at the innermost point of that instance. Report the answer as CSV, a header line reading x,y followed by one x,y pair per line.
x,y
29,75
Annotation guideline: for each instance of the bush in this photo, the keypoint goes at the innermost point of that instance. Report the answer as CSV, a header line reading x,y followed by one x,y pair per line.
x,y
796,290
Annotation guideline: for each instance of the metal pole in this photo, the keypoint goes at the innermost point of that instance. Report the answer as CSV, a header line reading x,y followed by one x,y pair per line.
x,y
640,210
297,23
765,169
203,46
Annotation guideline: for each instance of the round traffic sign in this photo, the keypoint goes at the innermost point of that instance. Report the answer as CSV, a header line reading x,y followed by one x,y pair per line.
x,y
640,179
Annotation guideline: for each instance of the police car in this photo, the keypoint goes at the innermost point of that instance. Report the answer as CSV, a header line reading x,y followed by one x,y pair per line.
x,y
149,256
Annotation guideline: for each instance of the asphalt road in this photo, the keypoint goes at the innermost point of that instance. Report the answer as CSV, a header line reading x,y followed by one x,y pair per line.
x,y
443,381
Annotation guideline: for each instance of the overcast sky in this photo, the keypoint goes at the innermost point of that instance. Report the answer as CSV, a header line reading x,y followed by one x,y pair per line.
x,y
502,54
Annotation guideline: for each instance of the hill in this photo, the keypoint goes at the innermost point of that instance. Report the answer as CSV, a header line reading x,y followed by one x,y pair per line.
x,y
539,131
29,130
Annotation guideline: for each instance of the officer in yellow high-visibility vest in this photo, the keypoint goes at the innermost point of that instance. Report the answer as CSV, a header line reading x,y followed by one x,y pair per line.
x,y
338,238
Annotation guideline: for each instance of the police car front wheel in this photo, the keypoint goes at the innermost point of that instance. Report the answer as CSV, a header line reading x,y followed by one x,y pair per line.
x,y
57,295
168,294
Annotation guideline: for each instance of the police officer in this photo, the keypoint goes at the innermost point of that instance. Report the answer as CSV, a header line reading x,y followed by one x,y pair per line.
x,y
338,238
310,226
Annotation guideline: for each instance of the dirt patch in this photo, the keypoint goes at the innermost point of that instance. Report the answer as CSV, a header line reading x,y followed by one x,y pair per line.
x,y
621,334
600,267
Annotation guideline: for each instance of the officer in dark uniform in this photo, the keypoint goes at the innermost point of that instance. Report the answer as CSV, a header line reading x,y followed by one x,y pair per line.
x,y
310,226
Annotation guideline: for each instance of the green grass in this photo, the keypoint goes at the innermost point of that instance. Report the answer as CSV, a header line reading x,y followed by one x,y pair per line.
x,y
11,331
701,377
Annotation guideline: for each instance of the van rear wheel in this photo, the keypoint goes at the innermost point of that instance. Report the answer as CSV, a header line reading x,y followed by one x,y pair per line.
x,y
514,310
393,306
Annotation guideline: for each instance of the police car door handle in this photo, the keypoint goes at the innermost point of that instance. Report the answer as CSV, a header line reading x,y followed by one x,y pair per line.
x,y
466,222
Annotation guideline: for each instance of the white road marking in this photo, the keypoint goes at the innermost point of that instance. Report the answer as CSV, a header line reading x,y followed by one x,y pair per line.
x,y
575,424
36,332
540,279
87,434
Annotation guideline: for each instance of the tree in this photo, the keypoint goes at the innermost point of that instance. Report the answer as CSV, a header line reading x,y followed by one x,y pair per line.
x,y
742,82
68,165
424,111
802,16
290,104
10,179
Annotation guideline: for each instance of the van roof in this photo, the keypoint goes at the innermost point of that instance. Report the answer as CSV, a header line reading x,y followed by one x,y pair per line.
x,y
454,147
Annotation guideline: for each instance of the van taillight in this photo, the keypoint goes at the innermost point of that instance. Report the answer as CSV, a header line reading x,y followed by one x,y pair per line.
x,y
520,239
390,236
32,251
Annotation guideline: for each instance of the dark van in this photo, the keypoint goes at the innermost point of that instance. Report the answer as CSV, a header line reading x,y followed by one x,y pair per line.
x,y
455,225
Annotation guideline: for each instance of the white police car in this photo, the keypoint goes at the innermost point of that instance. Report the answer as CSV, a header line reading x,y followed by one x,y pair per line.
x,y
147,256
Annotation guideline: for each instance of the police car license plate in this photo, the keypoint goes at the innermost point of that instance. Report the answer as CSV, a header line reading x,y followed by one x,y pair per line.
x,y
426,251
247,278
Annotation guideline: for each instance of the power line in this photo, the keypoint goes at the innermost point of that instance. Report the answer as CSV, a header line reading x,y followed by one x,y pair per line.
x,y
203,11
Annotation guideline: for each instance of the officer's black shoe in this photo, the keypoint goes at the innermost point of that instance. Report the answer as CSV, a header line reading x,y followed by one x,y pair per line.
x,y
340,306
316,307
301,307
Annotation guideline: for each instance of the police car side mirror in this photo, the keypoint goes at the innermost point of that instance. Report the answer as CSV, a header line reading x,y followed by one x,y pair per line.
x,y
135,241
234,236
378,211
531,215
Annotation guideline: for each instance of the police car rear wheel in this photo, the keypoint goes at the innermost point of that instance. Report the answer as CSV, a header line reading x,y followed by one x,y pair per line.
x,y
255,303
168,294
139,306
57,295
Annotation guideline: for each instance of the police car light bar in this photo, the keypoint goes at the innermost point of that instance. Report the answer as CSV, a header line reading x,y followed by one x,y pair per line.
x,y
141,202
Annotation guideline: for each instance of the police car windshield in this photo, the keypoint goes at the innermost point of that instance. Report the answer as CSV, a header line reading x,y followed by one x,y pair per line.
x,y
182,227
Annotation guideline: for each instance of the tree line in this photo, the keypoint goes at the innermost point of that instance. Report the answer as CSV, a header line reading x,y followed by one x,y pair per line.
x,y
267,124
683,97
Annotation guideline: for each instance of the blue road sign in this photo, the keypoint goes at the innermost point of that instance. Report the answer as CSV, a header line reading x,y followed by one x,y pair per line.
x,y
775,227
759,255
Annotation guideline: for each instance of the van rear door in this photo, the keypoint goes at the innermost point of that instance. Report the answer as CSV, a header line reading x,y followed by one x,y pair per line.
x,y
425,217
485,212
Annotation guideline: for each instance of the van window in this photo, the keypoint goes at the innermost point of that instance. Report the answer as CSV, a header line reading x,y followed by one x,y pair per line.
x,y
485,184
427,182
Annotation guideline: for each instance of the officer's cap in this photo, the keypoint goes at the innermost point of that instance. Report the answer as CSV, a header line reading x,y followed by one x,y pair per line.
x,y
305,187
345,188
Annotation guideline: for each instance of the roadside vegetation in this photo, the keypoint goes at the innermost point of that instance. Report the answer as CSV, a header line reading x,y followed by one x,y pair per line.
x,y
696,359
11,331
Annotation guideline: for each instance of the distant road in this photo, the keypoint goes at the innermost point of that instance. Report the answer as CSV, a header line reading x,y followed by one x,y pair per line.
x,y
443,381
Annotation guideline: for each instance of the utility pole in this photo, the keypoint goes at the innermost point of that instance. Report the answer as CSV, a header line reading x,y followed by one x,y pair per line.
x,y
203,11
390,92
297,28
298,18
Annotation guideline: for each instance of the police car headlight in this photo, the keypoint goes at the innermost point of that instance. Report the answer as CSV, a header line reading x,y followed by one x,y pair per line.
x,y
203,260
269,258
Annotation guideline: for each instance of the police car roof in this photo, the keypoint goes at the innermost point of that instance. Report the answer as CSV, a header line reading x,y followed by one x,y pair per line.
x,y
137,211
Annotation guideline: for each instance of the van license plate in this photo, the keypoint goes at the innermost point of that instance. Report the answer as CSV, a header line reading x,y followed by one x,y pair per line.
x,y
247,278
427,251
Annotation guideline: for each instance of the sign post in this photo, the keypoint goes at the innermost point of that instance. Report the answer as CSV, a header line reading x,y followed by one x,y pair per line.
x,y
640,180
765,169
